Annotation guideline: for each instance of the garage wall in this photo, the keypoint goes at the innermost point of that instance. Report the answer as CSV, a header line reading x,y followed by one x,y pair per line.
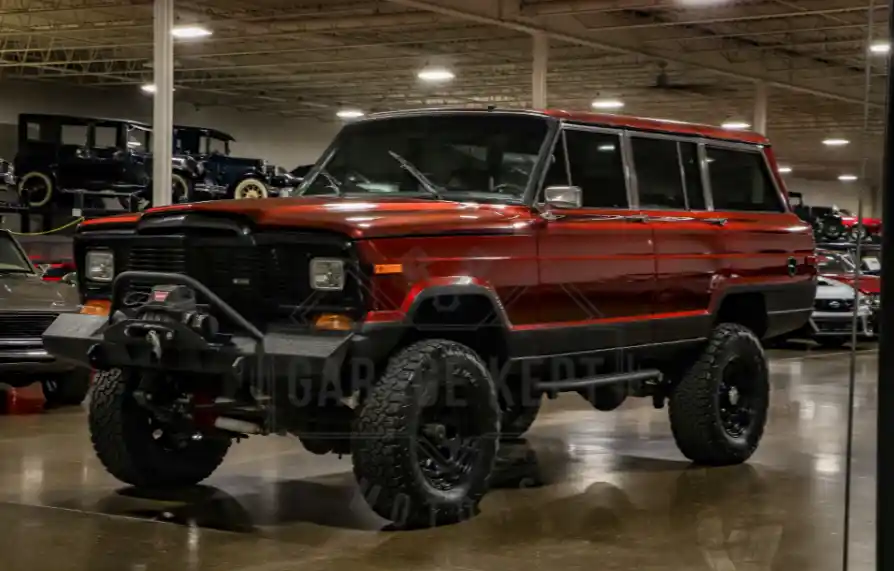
x,y
282,141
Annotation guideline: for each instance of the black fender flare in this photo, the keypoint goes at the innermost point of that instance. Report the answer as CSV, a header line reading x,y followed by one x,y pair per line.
x,y
454,290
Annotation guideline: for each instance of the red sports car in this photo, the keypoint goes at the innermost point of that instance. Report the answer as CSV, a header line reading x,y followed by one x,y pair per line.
x,y
872,227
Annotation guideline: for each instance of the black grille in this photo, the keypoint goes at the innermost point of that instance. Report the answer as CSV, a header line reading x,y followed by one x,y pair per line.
x,y
25,324
157,259
844,305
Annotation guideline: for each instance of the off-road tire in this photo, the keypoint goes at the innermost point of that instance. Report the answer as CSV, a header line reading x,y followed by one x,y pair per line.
x,y
695,402
384,457
67,389
122,439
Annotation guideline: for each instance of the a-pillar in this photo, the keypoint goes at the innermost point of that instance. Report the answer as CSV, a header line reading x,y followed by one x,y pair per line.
x,y
163,105
538,77
760,108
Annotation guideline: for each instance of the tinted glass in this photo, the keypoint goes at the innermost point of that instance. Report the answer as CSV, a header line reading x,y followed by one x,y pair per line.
x,y
740,181
597,168
658,174
692,175
477,157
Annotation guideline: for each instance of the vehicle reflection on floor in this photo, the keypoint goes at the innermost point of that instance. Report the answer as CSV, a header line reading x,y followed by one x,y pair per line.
x,y
584,489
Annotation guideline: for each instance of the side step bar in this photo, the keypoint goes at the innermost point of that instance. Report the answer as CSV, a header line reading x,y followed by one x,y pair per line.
x,y
598,381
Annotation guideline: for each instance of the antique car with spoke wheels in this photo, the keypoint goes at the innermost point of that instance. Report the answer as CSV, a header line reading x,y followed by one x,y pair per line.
x,y
242,177
440,273
28,305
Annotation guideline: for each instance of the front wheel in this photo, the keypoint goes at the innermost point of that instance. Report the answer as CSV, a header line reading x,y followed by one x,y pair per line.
x,y
719,409
426,436
35,189
250,188
136,447
67,389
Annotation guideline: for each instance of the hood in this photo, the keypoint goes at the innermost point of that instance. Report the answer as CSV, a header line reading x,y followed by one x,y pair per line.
x,y
368,217
27,292
833,289
869,285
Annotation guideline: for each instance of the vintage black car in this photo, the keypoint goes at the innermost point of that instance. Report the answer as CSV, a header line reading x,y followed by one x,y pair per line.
x,y
243,177
827,221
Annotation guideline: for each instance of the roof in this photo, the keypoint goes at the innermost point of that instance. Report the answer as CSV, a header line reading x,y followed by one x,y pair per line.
x,y
600,119
216,133
25,116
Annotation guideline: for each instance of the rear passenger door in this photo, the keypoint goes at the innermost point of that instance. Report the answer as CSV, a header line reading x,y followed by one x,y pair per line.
x,y
688,237
596,262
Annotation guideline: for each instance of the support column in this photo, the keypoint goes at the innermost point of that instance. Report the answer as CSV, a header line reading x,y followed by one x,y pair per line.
x,y
163,104
541,63
760,108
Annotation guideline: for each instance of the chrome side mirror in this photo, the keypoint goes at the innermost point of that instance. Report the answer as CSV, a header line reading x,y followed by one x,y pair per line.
x,y
563,196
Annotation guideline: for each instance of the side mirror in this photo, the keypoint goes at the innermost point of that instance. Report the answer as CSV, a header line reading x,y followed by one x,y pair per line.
x,y
563,196
70,278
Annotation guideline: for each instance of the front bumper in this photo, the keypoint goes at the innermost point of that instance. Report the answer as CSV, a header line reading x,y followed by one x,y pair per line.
x,y
839,324
24,359
115,341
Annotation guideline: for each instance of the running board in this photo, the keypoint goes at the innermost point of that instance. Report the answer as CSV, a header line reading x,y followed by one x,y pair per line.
x,y
598,381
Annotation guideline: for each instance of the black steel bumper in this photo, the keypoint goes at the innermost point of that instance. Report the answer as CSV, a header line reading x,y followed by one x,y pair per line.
x,y
118,341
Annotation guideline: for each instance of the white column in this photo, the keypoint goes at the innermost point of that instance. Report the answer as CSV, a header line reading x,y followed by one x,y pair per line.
x,y
538,77
760,108
163,105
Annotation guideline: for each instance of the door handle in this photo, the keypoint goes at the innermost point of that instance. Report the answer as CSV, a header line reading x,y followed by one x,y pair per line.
x,y
715,221
637,218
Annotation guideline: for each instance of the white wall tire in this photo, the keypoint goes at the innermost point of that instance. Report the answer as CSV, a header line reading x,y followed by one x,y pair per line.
x,y
32,178
179,189
250,188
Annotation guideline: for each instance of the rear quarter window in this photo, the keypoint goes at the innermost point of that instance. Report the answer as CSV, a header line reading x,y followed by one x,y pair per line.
x,y
741,181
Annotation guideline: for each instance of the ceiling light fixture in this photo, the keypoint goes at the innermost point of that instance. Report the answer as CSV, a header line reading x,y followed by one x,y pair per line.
x,y
607,104
736,125
190,32
847,177
836,142
785,170
435,74
350,113
880,47
148,88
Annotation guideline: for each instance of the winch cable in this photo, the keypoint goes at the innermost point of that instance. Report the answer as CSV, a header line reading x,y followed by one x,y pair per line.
x,y
852,384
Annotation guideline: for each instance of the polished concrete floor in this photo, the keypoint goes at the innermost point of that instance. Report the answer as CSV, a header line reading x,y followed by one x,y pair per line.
x,y
590,491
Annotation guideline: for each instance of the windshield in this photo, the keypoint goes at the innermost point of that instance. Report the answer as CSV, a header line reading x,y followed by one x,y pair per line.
x,y
213,145
11,257
456,157
834,264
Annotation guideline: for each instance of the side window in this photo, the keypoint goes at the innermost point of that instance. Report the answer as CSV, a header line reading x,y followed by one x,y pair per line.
x,y
74,135
37,132
105,137
740,181
692,175
658,176
596,167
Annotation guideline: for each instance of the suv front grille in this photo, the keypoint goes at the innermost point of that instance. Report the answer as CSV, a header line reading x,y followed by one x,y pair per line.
x,y
844,305
25,324
157,259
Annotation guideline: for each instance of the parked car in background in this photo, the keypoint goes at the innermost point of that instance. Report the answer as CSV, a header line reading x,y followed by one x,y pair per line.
x,y
28,305
7,175
827,222
242,177
871,230
53,271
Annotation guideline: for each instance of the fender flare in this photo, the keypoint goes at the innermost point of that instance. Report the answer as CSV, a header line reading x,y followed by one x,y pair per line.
x,y
451,287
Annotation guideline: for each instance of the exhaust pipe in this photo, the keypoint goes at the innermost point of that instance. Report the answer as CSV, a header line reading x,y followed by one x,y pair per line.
x,y
237,426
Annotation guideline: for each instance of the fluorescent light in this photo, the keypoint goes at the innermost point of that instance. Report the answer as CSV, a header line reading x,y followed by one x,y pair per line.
x,y
736,125
785,170
435,74
608,147
847,177
350,113
148,88
189,32
607,104
880,47
836,142
134,144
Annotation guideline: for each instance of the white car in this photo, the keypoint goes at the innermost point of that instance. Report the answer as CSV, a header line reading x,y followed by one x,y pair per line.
x,y
833,313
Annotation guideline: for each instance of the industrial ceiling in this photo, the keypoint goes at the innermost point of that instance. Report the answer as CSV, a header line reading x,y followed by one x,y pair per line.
x,y
690,60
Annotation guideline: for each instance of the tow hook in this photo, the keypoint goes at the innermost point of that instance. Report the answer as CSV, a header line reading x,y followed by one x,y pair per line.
x,y
155,341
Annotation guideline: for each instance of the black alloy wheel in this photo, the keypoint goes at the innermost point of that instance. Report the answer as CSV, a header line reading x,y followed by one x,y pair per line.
x,y
736,397
447,442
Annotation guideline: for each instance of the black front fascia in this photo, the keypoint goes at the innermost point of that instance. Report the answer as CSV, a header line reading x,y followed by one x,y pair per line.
x,y
264,275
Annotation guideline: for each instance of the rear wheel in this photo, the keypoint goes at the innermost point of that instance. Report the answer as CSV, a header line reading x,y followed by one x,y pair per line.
x,y
136,447
719,409
35,189
426,436
67,389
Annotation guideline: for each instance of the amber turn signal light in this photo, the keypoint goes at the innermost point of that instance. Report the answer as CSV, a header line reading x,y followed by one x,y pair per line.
x,y
96,307
333,322
382,269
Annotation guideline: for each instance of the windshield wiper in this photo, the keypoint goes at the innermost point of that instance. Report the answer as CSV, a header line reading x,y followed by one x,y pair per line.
x,y
428,185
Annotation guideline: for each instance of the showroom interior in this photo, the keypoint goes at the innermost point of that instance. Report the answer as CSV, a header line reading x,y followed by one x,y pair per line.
x,y
207,151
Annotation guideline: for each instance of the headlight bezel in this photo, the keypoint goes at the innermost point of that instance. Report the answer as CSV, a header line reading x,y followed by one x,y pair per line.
x,y
90,272
320,267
